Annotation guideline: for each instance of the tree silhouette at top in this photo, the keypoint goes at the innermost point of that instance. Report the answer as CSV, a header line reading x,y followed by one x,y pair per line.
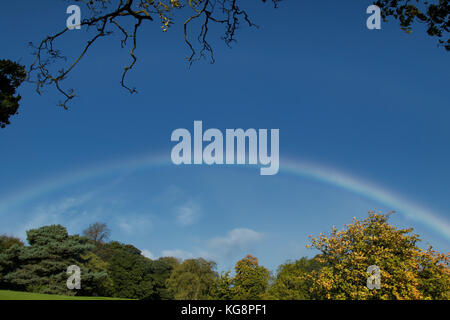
x,y
198,18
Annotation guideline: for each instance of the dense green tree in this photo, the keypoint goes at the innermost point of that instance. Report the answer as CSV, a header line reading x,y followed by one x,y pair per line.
x,y
102,286
290,283
12,75
131,275
129,271
9,261
223,288
8,241
161,270
251,280
193,279
42,266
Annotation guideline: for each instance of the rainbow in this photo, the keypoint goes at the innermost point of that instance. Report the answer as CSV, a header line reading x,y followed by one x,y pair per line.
x,y
369,191
288,166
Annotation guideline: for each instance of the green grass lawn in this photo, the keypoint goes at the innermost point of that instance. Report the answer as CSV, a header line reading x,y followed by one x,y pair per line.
x,y
17,295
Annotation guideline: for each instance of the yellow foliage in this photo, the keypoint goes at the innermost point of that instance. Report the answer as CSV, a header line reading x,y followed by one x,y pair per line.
x,y
407,272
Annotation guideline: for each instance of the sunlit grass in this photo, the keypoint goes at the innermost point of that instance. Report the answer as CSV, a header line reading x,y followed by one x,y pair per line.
x,y
17,295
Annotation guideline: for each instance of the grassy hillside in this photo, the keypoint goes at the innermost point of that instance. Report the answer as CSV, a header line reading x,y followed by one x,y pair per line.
x,y
17,295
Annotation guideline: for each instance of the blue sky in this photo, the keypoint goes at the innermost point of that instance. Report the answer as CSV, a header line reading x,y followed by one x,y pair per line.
x,y
370,105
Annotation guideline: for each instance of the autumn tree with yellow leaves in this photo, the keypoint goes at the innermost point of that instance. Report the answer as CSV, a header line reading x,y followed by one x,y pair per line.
x,y
406,271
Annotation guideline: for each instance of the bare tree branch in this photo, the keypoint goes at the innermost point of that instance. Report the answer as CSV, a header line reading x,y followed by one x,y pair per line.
x,y
108,16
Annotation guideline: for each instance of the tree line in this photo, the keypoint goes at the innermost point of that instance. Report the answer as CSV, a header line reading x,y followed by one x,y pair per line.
x,y
338,271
